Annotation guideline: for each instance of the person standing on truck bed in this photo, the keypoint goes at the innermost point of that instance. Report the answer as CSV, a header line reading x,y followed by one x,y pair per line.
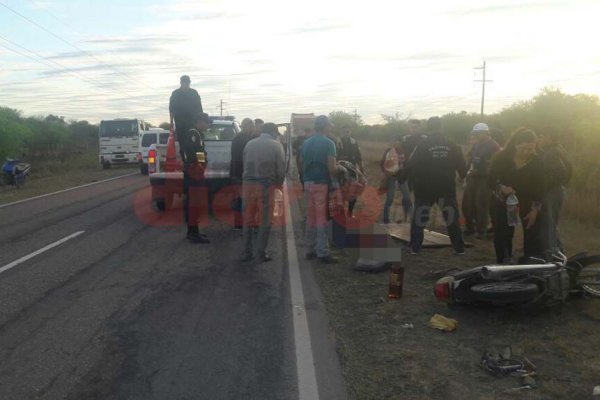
x,y
194,163
264,171
236,168
184,104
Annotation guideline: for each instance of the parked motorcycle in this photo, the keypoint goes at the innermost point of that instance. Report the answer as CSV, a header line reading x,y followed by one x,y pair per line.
x,y
541,282
14,172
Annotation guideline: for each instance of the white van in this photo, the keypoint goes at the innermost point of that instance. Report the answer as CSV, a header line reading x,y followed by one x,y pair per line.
x,y
153,136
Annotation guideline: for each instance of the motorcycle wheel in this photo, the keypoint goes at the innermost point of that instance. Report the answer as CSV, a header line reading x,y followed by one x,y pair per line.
x,y
505,292
588,274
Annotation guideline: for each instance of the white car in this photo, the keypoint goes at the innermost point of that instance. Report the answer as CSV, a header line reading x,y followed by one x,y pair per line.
x,y
153,136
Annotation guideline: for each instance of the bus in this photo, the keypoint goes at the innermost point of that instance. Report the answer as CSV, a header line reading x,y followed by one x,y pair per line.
x,y
119,141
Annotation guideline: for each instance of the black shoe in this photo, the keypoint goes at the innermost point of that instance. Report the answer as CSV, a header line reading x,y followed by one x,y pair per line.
x,y
328,260
196,237
247,258
311,256
265,258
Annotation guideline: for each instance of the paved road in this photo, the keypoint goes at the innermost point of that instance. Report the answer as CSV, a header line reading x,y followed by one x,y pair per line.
x,y
129,310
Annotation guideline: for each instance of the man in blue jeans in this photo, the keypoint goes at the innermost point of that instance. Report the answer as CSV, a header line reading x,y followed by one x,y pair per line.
x,y
433,167
318,166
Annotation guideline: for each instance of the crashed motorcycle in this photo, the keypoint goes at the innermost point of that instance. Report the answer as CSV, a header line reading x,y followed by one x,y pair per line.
x,y
14,172
539,282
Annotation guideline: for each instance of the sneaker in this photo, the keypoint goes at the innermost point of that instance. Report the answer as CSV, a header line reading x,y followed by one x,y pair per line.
x,y
311,256
328,260
414,252
196,237
459,252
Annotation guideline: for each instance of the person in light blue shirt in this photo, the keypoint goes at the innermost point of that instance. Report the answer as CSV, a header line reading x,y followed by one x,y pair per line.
x,y
318,166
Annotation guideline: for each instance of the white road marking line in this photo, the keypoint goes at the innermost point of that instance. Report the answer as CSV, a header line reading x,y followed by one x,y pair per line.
x,y
66,190
40,251
305,365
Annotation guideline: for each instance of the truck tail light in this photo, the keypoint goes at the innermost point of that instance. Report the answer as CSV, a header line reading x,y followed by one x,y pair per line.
x,y
443,289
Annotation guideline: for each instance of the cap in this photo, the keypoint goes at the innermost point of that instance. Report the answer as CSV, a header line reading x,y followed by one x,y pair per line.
x,y
185,78
480,127
322,121
203,117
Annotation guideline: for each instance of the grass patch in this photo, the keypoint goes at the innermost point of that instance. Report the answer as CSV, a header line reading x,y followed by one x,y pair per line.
x,y
50,176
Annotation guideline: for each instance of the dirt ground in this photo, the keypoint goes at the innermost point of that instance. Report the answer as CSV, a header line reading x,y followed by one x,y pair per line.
x,y
383,360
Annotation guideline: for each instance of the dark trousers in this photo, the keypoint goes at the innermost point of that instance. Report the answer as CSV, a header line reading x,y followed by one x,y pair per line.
x,y
422,211
503,234
476,204
195,196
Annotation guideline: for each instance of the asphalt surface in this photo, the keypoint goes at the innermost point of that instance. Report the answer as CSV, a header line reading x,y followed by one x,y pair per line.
x,y
130,310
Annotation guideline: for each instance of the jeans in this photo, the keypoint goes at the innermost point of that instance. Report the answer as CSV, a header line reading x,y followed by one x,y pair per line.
x,y
449,206
392,183
551,206
476,204
316,219
257,209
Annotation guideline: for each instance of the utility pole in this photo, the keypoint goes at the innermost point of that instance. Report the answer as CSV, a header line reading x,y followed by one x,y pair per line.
x,y
355,116
483,81
221,106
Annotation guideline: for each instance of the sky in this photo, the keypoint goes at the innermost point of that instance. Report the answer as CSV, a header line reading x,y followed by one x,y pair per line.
x,y
268,59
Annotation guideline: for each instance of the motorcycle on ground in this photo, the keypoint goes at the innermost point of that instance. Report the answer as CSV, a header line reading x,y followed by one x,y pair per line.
x,y
540,282
14,172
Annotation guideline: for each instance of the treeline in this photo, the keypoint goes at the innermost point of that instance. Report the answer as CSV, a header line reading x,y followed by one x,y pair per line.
x,y
577,117
44,138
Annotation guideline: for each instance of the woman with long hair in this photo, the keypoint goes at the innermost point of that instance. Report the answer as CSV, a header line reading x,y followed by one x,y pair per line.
x,y
517,170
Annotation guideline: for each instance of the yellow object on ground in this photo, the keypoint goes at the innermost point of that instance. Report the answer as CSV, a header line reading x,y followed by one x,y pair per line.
x,y
442,323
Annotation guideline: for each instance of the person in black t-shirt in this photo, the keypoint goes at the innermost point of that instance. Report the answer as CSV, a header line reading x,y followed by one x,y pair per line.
x,y
184,105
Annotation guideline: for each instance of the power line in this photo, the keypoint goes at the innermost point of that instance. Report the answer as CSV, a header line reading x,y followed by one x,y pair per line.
x,y
62,68
70,44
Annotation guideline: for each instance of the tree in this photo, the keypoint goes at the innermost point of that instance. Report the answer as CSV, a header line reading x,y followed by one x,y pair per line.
x,y
165,125
343,119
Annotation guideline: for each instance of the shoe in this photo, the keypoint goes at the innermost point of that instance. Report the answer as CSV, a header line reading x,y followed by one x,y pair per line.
x,y
196,237
328,260
265,258
459,252
311,256
247,258
414,252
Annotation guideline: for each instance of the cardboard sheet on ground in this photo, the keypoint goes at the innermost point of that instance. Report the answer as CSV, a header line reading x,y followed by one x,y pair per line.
x,y
431,239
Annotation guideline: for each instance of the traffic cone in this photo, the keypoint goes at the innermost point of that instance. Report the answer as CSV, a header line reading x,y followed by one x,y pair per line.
x,y
171,164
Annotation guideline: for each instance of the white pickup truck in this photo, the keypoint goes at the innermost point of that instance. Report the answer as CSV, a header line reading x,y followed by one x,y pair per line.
x,y
217,143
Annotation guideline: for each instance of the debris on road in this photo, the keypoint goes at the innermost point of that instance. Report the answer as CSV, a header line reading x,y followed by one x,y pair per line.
x,y
407,326
596,392
443,323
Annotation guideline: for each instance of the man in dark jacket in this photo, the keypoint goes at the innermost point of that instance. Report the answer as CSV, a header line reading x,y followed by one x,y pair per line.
x,y
184,105
236,168
433,167
195,195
